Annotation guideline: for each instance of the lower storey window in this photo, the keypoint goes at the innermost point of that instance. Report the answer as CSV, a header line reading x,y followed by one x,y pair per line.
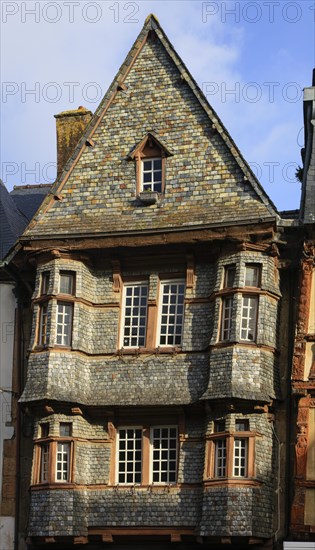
x,y
249,318
54,457
227,449
129,455
147,455
64,324
164,454
232,454
62,462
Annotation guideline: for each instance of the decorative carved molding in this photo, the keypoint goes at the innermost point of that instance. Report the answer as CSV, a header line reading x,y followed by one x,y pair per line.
x,y
301,445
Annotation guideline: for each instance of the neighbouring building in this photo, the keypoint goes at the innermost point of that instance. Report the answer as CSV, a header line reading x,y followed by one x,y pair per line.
x,y
157,407
303,371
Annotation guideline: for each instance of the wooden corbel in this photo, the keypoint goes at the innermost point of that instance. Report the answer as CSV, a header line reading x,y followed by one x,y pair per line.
x,y
117,283
190,270
77,410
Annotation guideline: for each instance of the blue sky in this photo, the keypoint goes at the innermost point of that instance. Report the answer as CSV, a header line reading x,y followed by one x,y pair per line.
x,y
251,59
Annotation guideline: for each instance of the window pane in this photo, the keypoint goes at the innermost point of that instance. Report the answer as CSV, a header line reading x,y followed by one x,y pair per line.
x,y
249,317
220,458
229,277
227,317
44,462
65,429
62,462
64,323
164,443
42,333
240,458
152,175
130,462
241,425
135,316
251,275
171,322
66,283
45,282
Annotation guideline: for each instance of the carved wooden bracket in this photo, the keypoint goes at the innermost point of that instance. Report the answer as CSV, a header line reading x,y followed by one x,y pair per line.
x,y
117,283
190,271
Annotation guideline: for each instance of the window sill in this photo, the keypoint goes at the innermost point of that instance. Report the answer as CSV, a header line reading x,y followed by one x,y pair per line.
x,y
148,197
156,351
232,482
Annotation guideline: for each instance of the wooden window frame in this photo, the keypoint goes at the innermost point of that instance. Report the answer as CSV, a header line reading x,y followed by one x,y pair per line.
x,y
146,455
163,282
51,443
230,438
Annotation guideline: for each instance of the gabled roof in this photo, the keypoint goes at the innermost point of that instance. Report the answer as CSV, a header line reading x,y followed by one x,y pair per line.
x,y
12,221
158,141
72,218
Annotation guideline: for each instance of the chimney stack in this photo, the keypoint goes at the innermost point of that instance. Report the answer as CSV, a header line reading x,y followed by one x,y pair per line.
x,y
69,126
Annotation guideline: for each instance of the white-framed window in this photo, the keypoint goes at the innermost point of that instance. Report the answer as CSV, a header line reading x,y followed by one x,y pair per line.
x,y
226,318
64,323
66,282
134,323
129,455
63,461
252,275
249,318
151,174
240,457
220,458
164,442
146,455
171,313
44,462
42,329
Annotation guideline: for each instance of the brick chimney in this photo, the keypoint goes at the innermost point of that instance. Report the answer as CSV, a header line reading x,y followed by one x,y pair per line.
x,y
69,126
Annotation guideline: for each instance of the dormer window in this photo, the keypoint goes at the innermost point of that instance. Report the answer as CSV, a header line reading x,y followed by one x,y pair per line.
x,y
150,156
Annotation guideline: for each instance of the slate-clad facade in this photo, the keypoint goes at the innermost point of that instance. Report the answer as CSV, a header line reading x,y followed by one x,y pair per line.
x,y
157,371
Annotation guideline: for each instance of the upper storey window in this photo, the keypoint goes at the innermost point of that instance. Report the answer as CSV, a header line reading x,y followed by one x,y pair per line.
x,y
45,282
252,275
66,283
43,310
135,300
171,313
229,276
151,174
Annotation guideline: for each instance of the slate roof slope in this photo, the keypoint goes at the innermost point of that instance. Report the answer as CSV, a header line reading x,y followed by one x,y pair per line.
x,y
12,221
207,180
28,198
